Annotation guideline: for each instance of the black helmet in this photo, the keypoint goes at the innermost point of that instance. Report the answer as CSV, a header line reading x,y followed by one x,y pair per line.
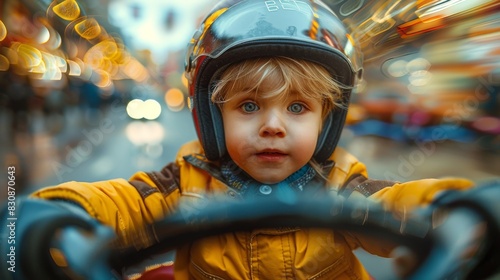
x,y
246,29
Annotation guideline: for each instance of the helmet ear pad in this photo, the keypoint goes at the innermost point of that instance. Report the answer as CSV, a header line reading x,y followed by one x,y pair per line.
x,y
210,124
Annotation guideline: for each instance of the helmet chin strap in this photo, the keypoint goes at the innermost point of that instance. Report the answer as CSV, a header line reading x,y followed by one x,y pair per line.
x,y
323,138
330,134
220,140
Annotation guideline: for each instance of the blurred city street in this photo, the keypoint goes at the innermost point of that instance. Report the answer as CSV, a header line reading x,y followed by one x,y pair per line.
x,y
103,150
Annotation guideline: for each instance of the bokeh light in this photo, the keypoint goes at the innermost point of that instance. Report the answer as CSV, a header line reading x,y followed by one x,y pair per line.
x,y
174,98
3,31
398,68
88,28
29,56
139,109
74,68
134,109
4,63
151,109
67,9
145,133
43,35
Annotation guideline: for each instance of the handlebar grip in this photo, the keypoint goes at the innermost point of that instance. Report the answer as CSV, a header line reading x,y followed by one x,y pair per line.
x,y
456,247
40,239
483,201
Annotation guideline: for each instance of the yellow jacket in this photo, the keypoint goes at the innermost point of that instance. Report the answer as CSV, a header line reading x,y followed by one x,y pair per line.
x,y
281,253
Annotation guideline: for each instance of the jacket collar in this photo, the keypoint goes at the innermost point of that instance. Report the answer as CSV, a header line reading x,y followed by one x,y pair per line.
x,y
304,179
240,181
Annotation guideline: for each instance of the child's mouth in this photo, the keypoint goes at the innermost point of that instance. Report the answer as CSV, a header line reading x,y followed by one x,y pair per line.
x,y
271,155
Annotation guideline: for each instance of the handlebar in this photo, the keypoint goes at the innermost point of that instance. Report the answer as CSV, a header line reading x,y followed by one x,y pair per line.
x,y
439,252
212,217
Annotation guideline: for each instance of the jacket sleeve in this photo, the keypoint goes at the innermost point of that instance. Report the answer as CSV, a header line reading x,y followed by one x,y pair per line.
x,y
129,207
349,178
401,199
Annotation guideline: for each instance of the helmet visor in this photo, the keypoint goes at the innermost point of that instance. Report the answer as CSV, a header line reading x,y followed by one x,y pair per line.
x,y
250,22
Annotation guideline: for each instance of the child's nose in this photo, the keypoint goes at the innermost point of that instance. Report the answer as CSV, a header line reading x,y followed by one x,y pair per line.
x,y
273,125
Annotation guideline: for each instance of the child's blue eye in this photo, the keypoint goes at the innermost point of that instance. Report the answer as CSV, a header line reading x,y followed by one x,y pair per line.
x,y
296,108
249,107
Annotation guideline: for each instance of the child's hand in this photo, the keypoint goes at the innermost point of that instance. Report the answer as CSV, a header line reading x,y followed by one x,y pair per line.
x,y
52,236
460,236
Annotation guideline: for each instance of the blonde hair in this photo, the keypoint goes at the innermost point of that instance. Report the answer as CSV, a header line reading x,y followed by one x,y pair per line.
x,y
280,76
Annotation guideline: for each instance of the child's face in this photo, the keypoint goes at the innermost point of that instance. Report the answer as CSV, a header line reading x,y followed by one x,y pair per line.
x,y
271,138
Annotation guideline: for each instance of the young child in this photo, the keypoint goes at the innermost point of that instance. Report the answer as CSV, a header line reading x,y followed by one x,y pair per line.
x,y
269,86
